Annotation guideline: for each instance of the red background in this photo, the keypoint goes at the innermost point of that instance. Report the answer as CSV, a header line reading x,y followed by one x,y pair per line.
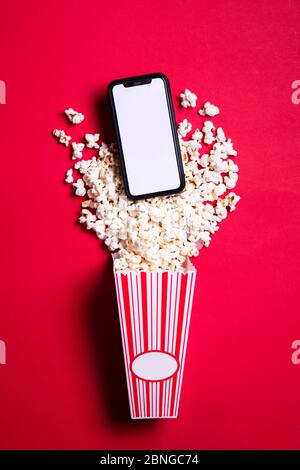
x,y
64,385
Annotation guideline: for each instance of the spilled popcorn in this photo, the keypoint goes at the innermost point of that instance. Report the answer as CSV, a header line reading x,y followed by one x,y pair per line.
x,y
92,140
79,187
188,99
73,116
69,176
62,137
161,232
184,128
77,150
209,110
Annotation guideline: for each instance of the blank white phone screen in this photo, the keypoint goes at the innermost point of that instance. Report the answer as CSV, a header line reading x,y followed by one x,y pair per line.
x,y
146,136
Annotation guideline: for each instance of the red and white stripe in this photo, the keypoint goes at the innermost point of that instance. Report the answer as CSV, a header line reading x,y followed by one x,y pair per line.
x,y
154,310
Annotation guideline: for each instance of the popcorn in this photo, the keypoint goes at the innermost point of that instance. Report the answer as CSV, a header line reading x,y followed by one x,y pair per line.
x,y
192,148
77,150
188,99
207,129
158,233
184,128
229,201
209,110
69,176
207,126
87,203
204,160
220,135
88,219
231,180
83,165
62,137
228,148
197,135
221,210
74,116
217,164
104,151
205,238
232,166
208,138
79,188
224,149
232,199
91,140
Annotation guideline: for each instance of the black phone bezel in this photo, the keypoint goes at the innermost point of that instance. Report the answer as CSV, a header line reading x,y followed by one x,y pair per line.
x,y
136,81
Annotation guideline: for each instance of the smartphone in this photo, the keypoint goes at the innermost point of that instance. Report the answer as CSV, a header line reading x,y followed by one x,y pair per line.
x,y
146,136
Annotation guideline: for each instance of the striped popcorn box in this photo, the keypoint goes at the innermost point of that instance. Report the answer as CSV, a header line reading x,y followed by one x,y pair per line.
x,y
154,311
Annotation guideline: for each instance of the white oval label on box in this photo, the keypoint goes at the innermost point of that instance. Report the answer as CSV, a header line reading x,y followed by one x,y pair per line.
x,y
154,365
